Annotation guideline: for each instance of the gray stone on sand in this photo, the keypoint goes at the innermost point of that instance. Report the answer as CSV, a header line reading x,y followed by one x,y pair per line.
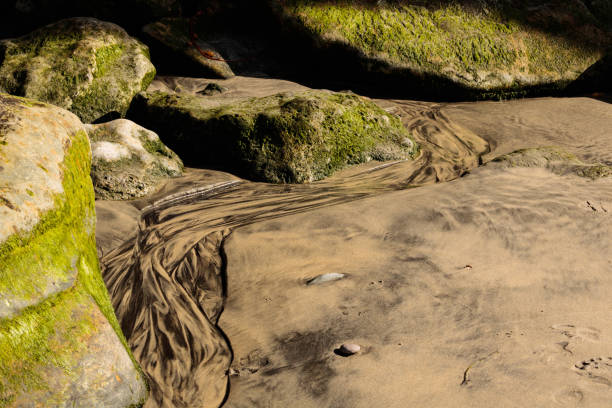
x,y
326,277
213,89
174,34
348,349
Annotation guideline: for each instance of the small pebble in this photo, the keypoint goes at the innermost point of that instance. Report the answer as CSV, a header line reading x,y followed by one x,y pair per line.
x,y
348,349
326,277
212,89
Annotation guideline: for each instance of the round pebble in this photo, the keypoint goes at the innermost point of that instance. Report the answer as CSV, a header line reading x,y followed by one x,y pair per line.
x,y
326,277
348,349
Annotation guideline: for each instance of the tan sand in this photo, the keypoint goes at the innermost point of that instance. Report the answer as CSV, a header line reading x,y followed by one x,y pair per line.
x,y
508,330
492,289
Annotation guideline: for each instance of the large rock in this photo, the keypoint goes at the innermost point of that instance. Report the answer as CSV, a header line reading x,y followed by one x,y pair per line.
x,y
90,67
128,160
206,57
469,49
287,137
60,343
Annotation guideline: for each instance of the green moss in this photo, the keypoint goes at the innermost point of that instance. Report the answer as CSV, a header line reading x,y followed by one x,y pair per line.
x,y
416,35
104,134
537,157
280,138
98,97
556,159
51,334
148,78
155,146
556,54
447,39
63,67
146,52
29,259
106,57
102,165
36,254
594,171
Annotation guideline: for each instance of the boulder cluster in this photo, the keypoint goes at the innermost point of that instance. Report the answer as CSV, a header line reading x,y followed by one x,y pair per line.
x,y
79,121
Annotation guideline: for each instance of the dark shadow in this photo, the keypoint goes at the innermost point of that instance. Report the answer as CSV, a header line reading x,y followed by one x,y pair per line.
x,y
597,79
604,97
340,352
110,116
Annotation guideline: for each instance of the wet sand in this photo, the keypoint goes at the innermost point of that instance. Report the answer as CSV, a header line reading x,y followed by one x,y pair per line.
x,y
484,285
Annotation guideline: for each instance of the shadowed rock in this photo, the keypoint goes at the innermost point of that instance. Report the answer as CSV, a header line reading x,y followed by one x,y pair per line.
x,y
289,137
173,33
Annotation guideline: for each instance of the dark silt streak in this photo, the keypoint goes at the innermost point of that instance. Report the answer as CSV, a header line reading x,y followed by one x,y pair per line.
x,y
168,286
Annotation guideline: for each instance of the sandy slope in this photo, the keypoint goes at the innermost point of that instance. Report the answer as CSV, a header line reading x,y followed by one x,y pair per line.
x,y
534,303
512,329
581,125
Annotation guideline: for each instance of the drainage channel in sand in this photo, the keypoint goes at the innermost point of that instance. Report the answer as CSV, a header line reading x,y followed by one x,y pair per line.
x,y
168,286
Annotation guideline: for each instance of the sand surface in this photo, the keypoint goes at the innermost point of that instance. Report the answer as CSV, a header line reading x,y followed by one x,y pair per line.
x,y
465,285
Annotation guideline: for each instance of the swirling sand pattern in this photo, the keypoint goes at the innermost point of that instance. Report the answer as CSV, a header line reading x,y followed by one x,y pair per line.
x,y
167,285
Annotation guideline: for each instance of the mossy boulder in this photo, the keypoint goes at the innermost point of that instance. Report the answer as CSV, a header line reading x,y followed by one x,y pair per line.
x,y
173,34
90,67
461,49
288,137
60,342
128,160
555,159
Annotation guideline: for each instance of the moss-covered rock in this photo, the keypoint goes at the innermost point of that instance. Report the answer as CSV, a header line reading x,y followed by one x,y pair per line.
x,y
288,137
128,160
454,49
173,33
87,66
555,159
60,342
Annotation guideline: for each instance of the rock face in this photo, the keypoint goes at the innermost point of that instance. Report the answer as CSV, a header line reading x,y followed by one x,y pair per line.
x,y
90,67
60,343
129,161
287,137
173,33
467,49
